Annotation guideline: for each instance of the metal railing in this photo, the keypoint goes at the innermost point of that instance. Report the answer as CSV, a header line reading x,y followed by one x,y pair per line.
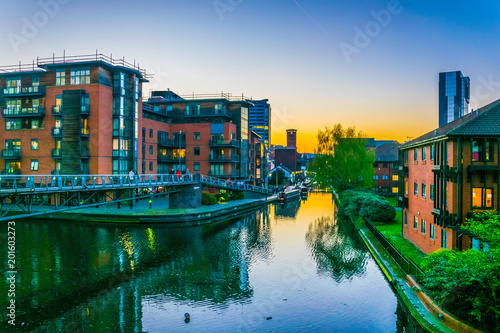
x,y
232,142
207,180
19,112
225,159
53,183
221,95
407,265
11,153
23,90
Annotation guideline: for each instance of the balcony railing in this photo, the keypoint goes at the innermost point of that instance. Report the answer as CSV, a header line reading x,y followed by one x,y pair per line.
x,y
55,172
85,109
209,113
224,159
224,174
57,110
23,91
224,143
56,153
170,159
84,131
56,132
11,172
171,143
11,154
38,111
121,132
120,153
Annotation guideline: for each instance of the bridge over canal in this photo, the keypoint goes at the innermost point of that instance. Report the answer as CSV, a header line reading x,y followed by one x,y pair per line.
x,y
32,195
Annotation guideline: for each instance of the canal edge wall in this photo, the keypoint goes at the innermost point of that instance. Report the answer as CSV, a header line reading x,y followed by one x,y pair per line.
x,y
192,218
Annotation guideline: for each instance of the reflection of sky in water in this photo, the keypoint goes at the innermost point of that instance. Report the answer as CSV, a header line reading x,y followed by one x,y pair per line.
x,y
304,269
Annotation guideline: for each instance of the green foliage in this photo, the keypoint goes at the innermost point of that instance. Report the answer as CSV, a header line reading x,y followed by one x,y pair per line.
x,y
208,199
278,175
241,195
467,284
486,225
343,162
367,204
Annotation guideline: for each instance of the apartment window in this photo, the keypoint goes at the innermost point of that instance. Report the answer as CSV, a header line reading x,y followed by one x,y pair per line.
x,y
395,190
406,188
375,176
384,165
143,134
196,136
385,177
432,233
422,226
424,190
80,76
415,154
432,192
482,150
415,189
196,166
424,153
34,165
432,152
61,77
233,136
406,218
482,198
34,144
150,166
143,167
415,222
143,150
375,165
196,151
151,133
395,178
444,239
150,149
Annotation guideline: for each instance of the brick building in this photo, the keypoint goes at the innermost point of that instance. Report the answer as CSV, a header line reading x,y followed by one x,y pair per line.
x,y
386,169
84,115
445,175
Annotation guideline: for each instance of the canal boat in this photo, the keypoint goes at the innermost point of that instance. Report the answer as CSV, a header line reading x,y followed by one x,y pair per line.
x,y
289,195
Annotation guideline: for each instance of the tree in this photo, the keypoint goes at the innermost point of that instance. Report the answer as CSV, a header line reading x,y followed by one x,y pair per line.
x,y
342,161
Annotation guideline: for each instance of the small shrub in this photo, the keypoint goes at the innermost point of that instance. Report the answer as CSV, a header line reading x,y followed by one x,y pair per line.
x,y
241,195
224,196
208,199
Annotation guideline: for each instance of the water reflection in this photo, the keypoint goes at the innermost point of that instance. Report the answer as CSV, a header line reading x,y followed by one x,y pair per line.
x,y
288,209
338,254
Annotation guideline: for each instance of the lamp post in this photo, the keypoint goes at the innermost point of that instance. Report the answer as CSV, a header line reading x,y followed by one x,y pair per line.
x,y
180,150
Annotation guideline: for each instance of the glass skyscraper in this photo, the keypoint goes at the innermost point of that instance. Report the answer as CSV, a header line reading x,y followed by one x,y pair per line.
x,y
454,95
259,120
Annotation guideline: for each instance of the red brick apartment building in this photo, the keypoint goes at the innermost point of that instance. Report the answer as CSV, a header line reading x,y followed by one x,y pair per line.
x,y
84,115
445,175
386,169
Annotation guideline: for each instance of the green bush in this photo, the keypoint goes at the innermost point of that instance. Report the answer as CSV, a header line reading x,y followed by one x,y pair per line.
x,y
208,199
241,195
366,204
224,197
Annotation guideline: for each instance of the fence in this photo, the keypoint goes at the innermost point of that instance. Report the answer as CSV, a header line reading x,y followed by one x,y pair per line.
x,y
408,266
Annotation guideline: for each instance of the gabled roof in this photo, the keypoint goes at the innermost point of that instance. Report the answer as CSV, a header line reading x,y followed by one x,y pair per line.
x,y
387,152
481,122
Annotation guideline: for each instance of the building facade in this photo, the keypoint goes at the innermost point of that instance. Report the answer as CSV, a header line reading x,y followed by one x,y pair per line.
x,y
454,95
74,115
259,120
447,174
291,138
386,169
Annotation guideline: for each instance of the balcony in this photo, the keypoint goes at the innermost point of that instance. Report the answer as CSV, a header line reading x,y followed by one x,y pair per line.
x,y
224,159
55,172
57,110
120,153
85,109
170,159
11,172
171,143
56,153
23,91
85,132
11,154
56,132
24,112
224,143
121,132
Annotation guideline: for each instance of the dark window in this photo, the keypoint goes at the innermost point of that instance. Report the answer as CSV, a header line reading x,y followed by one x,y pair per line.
x,y
196,151
415,188
150,149
150,166
406,218
415,154
143,150
432,192
375,165
143,134
196,166
143,168
151,133
384,165
197,136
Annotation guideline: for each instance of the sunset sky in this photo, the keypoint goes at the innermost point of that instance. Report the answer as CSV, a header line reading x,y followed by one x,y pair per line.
x,y
369,64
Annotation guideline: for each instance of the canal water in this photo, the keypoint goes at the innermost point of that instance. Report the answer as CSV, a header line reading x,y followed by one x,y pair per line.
x,y
293,268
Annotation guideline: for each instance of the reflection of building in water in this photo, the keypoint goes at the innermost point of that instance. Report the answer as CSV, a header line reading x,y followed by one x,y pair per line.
x,y
288,209
106,275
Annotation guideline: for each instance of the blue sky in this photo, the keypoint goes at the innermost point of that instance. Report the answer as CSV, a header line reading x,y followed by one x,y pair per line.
x,y
288,51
